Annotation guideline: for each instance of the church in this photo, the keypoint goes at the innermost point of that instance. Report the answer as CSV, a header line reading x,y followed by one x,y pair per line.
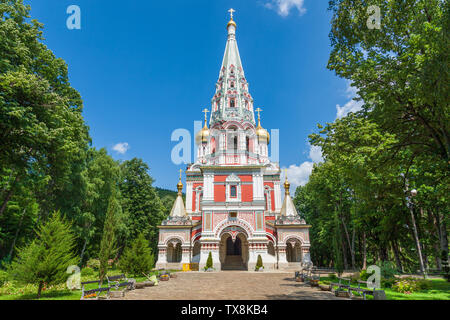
x,y
234,207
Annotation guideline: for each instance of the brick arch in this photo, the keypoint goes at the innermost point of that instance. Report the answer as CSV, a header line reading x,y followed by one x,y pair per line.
x,y
296,237
238,223
173,237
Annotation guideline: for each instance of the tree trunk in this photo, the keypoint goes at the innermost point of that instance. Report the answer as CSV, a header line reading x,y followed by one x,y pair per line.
x,y
41,285
17,233
398,261
364,251
83,250
350,245
344,254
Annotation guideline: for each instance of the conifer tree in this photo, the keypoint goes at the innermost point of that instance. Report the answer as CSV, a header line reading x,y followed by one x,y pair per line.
x,y
45,260
209,262
108,242
137,259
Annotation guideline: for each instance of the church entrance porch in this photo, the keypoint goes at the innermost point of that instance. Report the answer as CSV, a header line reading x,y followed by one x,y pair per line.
x,y
233,252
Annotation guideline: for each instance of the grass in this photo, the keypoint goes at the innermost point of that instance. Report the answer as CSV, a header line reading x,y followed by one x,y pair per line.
x,y
14,291
439,290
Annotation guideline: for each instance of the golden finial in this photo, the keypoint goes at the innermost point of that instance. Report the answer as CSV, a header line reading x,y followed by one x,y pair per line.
x,y
259,116
231,22
206,111
287,185
180,184
231,11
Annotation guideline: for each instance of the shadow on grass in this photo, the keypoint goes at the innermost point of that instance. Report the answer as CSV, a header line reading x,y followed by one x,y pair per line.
x,y
51,295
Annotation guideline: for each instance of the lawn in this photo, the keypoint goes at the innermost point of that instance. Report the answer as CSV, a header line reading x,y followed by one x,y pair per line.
x,y
439,290
14,291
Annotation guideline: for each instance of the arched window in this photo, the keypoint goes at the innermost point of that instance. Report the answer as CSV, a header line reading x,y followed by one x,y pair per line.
x,y
235,143
213,145
232,84
233,191
232,103
247,144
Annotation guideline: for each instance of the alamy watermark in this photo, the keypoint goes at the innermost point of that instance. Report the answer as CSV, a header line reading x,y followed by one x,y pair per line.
x,y
74,20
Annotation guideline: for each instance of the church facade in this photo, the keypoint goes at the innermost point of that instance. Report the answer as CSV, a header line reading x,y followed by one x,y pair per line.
x,y
234,207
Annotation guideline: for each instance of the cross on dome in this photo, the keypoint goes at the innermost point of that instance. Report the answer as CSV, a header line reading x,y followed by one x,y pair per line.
x,y
259,115
231,11
206,111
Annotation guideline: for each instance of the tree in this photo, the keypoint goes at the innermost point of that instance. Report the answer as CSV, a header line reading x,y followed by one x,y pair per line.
x,y
401,71
137,259
209,261
259,263
42,131
108,242
141,204
46,259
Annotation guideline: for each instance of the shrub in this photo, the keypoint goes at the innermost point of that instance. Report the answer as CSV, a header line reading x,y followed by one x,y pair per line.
x,y
3,277
86,272
138,259
387,283
405,286
209,262
259,263
94,264
44,261
364,275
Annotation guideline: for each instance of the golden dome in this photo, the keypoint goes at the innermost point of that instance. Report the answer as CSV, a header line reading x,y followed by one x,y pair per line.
x,y
180,184
231,23
203,135
262,133
287,185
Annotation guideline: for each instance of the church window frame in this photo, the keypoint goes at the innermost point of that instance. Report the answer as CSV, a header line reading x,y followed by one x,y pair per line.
x,y
235,181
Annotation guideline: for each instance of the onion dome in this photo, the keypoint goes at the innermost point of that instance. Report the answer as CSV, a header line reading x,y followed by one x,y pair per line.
x,y
203,135
263,135
231,22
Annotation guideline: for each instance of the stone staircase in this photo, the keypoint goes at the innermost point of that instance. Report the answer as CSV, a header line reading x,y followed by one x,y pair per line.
x,y
233,263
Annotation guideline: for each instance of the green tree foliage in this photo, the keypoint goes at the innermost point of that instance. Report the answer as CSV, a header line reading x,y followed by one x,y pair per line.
x,y
357,199
141,204
137,259
46,259
209,261
259,263
108,242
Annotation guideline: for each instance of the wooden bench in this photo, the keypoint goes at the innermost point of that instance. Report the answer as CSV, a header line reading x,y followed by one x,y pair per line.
x,y
364,291
114,282
341,285
87,294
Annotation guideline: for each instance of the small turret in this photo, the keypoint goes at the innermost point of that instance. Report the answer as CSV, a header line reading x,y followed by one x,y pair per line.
x,y
178,209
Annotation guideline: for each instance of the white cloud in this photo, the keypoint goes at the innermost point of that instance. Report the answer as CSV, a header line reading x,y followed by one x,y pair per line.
x,y
283,7
122,147
350,106
299,175
315,154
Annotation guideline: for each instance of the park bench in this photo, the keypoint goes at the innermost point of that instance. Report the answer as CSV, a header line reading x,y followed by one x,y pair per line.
x,y
120,283
88,294
363,291
341,286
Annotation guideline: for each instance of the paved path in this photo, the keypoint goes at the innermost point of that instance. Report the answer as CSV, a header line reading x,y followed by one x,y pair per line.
x,y
231,285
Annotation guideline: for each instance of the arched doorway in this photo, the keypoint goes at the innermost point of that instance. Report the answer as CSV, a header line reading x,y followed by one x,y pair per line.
x,y
293,251
233,249
174,252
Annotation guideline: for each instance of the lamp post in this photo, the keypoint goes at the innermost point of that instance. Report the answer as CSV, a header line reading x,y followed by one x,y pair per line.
x,y
413,193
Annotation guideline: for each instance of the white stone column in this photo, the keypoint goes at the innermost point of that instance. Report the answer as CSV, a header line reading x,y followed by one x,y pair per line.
x,y
258,186
162,257
306,258
208,192
185,254
277,194
282,259
189,186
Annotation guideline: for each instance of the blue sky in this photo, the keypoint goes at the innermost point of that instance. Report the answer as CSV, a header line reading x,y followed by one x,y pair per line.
x,y
146,68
